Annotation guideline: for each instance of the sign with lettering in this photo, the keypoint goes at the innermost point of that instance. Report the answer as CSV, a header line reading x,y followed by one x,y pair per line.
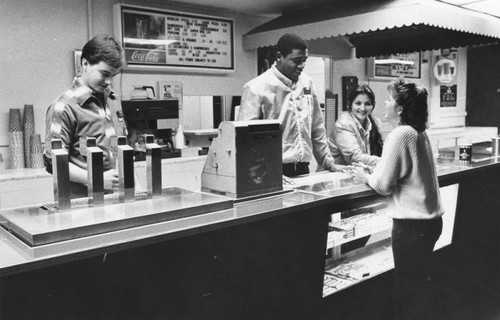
x,y
397,65
156,38
448,96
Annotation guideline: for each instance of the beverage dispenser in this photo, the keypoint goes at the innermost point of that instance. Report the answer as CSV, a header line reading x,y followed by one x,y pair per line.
x,y
156,117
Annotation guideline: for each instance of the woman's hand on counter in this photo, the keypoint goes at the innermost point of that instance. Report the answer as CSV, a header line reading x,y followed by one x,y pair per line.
x,y
361,172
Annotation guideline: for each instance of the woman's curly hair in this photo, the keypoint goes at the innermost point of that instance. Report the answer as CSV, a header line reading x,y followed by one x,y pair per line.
x,y
413,100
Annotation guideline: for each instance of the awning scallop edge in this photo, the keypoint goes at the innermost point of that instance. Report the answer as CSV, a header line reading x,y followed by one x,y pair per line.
x,y
383,27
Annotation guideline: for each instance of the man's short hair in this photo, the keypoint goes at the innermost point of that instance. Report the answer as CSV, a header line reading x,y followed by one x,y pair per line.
x,y
104,48
288,42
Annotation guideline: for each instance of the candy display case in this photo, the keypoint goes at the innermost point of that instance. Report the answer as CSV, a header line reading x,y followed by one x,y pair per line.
x,y
358,245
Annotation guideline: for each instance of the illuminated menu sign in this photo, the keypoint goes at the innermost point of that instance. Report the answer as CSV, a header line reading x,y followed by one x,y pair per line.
x,y
162,38
397,65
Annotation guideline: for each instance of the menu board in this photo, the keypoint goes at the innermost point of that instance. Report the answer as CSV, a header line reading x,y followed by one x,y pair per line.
x,y
397,65
174,39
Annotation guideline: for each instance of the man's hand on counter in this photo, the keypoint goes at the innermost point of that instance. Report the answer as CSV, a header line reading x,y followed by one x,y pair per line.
x,y
364,166
111,181
288,182
341,168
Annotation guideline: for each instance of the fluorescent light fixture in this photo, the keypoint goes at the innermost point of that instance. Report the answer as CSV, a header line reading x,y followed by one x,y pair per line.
x,y
156,42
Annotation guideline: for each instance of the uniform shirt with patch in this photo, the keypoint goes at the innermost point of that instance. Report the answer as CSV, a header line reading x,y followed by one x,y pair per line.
x,y
273,96
80,112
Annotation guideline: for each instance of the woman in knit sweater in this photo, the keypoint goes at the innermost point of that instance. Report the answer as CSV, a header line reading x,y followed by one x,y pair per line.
x,y
406,174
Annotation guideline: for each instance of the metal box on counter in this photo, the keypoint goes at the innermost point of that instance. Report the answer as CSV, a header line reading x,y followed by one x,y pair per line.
x,y
245,159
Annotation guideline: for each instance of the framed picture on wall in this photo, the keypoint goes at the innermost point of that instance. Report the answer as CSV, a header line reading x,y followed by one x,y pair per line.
x,y
348,83
395,65
77,56
154,38
170,90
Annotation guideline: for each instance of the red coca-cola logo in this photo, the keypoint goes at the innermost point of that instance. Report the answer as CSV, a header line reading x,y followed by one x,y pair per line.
x,y
149,56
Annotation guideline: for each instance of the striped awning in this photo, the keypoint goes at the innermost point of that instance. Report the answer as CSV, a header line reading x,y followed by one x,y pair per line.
x,y
377,27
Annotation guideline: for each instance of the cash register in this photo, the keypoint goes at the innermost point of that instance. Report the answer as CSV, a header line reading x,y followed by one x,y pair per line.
x,y
245,160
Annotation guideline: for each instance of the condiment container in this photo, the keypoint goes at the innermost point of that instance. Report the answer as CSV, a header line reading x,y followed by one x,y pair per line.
x,y
465,153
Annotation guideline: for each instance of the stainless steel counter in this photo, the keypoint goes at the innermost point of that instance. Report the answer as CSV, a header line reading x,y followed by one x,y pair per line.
x,y
17,256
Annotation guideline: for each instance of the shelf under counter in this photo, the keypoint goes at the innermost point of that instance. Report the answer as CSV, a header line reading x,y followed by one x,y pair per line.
x,y
371,263
334,240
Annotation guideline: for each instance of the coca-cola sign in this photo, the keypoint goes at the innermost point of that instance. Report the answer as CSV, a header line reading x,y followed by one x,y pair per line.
x,y
176,39
145,56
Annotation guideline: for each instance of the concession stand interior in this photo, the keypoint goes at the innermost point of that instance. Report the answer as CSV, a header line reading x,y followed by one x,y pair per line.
x,y
207,229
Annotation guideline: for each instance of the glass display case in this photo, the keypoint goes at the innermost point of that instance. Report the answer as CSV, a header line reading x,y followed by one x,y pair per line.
x,y
358,245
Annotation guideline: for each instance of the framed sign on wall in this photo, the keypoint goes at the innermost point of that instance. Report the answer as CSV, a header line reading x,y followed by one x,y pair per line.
x,y
395,65
348,83
154,38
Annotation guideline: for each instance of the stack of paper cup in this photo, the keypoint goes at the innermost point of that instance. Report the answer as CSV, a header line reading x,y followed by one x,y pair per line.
x,y
16,139
36,151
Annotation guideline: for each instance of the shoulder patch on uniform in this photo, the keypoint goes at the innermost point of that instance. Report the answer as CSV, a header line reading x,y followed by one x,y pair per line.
x,y
59,107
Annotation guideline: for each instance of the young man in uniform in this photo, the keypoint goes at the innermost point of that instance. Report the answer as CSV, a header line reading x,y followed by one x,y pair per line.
x,y
88,108
284,92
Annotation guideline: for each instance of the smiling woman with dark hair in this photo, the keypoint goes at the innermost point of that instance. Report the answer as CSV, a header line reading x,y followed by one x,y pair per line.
x,y
356,136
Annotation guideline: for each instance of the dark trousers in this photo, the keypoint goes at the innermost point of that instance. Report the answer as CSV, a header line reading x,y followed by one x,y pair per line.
x,y
412,246
295,169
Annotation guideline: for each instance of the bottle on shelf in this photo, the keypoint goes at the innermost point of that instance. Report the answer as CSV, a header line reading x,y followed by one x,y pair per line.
x,y
179,141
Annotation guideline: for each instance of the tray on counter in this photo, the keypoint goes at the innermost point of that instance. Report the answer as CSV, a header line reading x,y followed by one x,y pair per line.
x,y
43,225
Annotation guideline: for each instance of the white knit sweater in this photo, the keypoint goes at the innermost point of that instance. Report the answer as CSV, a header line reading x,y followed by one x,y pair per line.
x,y
406,174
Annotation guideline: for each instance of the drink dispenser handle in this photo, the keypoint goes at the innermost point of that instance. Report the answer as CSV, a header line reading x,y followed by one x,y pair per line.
x,y
125,159
153,167
95,172
60,170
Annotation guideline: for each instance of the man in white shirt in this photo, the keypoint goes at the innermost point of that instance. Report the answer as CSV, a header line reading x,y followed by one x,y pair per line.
x,y
284,92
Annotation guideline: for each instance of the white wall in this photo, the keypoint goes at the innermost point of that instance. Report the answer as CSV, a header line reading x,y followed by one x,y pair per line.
x,y
315,68
39,37
439,118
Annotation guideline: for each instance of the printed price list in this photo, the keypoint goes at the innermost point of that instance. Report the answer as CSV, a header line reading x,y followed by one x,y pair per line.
x,y
198,41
